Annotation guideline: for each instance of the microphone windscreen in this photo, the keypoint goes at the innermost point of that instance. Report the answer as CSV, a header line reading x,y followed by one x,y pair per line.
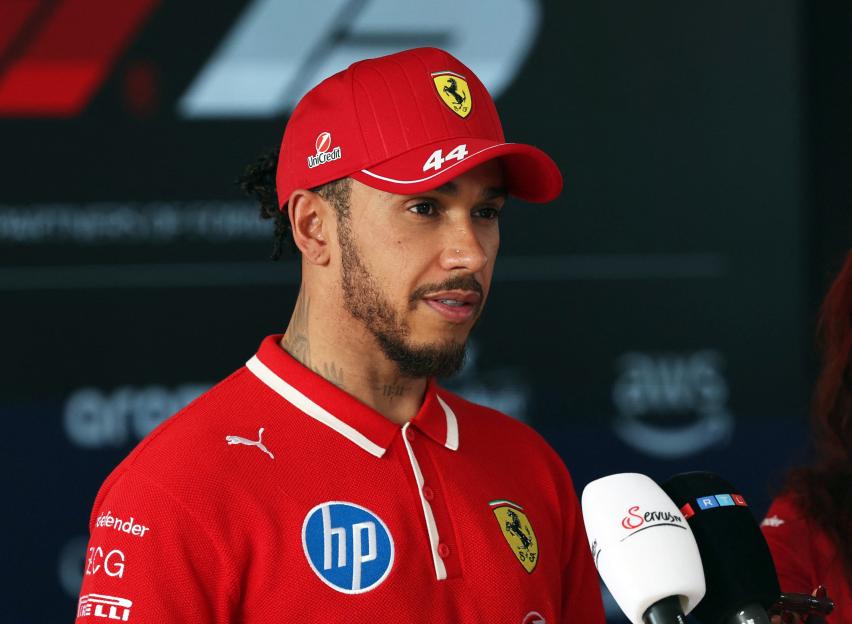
x,y
642,545
738,566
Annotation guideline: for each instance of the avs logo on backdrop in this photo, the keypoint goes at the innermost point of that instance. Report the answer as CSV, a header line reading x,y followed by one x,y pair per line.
x,y
348,546
672,405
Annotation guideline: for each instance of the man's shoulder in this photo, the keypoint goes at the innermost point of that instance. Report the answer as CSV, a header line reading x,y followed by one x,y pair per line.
x,y
484,421
507,447
186,443
214,449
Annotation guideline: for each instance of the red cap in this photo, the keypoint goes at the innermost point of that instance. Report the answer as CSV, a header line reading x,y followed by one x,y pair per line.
x,y
405,123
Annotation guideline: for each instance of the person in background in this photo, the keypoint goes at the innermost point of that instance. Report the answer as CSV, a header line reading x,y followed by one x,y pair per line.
x,y
809,525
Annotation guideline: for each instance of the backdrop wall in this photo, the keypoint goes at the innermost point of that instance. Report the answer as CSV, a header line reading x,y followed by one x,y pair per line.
x,y
655,318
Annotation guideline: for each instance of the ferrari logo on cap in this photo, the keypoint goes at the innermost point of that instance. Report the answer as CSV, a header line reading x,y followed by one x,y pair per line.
x,y
454,92
518,532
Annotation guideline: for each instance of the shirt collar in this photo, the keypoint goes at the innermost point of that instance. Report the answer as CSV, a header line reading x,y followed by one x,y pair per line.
x,y
333,407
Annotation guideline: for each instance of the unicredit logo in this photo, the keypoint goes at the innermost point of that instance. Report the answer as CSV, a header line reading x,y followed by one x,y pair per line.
x,y
323,143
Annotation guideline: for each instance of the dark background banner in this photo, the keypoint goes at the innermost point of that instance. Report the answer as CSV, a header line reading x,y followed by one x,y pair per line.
x,y
656,318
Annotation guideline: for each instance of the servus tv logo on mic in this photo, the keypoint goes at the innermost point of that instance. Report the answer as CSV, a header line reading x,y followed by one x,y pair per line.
x,y
637,520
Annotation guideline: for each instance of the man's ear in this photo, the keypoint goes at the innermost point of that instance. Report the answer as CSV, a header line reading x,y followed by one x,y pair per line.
x,y
309,215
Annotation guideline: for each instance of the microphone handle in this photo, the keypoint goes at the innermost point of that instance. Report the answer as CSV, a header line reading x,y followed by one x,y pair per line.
x,y
665,611
749,614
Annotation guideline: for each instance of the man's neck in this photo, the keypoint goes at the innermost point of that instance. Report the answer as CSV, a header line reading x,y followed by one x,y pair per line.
x,y
351,361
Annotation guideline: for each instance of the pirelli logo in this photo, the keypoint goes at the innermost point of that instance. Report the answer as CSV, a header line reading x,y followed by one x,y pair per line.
x,y
102,606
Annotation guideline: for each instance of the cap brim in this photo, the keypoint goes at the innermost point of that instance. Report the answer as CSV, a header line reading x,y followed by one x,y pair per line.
x,y
530,174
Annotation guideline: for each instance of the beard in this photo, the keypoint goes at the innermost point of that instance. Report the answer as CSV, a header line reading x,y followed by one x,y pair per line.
x,y
365,301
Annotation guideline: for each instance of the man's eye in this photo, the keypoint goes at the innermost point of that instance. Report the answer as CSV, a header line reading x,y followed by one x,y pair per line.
x,y
488,213
426,209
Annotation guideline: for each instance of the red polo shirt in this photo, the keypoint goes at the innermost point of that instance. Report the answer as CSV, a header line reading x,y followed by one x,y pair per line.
x,y
334,513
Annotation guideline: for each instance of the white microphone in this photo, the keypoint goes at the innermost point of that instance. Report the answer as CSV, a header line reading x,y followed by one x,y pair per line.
x,y
643,549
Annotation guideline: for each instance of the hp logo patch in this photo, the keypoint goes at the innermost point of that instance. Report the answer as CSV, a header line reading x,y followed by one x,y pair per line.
x,y
348,546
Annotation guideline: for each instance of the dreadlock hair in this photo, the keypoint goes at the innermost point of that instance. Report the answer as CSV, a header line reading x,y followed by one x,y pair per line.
x,y
258,182
822,490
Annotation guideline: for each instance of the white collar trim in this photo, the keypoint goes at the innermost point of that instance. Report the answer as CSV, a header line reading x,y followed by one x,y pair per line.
x,y
303,403
452,442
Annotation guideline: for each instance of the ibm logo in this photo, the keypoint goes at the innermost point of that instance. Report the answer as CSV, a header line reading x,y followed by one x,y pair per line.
x,y
347,546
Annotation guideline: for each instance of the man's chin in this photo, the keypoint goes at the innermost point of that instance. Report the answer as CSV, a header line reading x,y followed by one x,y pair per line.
x,y
437,332
435,359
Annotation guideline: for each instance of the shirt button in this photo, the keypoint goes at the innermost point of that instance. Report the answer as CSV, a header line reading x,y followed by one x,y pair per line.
x,y
443,551
409,433
428,493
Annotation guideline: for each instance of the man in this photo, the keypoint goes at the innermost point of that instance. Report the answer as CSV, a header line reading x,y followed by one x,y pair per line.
x,y
331,479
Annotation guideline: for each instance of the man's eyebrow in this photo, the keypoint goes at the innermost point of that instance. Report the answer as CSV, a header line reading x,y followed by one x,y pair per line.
x,y
495,192
450,188
492,192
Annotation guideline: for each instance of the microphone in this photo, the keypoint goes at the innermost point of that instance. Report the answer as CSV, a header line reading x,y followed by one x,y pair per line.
x,y
741,579
643,549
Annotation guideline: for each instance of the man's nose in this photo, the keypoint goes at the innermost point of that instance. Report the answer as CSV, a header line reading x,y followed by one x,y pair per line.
x,y
463,250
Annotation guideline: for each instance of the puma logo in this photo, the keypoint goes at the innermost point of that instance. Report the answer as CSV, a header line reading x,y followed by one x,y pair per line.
x,y
258,443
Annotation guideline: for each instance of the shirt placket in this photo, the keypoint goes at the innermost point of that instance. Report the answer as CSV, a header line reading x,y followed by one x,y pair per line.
x,y
433,504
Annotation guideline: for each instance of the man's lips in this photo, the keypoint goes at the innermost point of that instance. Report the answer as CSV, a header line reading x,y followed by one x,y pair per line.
x,y
454,305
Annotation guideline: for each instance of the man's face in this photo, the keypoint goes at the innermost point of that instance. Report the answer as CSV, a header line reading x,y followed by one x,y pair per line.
x,y
416,269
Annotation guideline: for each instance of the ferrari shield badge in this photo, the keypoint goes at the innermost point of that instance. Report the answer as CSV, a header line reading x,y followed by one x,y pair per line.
x,y
518,532
453,90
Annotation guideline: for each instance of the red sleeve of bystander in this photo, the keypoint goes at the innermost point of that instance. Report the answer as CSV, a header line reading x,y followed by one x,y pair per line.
x,y
789,538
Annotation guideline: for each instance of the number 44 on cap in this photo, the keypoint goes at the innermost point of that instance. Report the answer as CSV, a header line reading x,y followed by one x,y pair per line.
x,y
437,159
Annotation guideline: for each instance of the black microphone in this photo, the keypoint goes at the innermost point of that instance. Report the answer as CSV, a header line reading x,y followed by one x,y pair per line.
x,y
741,579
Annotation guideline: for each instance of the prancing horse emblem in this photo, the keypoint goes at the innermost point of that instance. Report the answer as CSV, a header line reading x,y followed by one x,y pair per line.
x,y
454,92
258,443
513,526
452,89
517,531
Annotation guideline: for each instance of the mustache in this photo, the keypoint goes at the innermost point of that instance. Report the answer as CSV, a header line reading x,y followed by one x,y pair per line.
x,y
458,282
